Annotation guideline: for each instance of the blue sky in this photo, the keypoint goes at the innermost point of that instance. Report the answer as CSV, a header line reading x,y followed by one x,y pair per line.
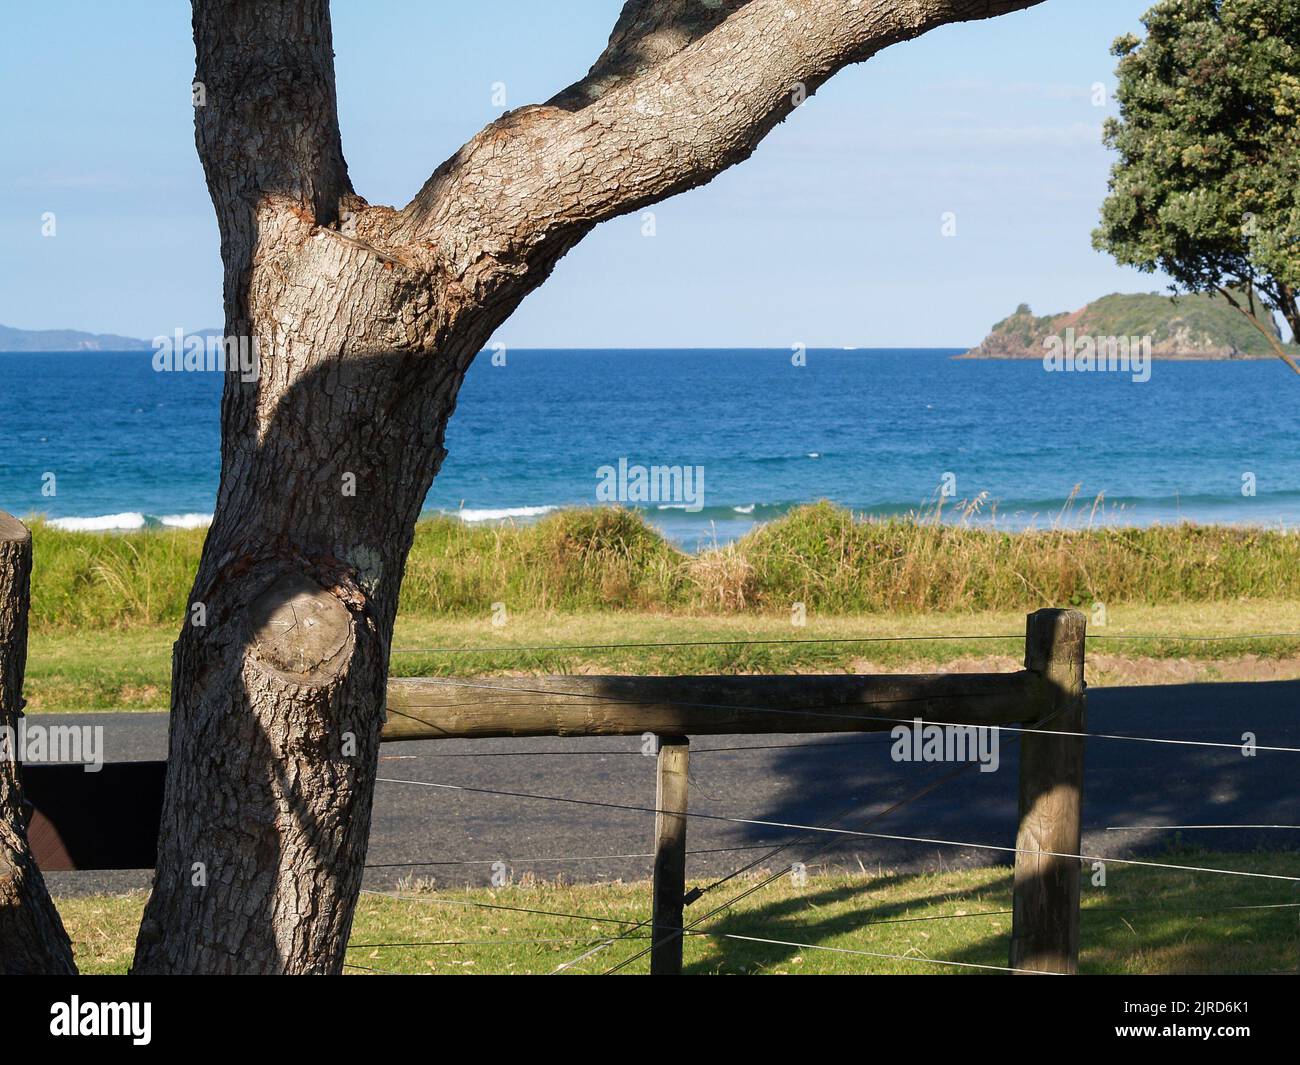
x,y
830,235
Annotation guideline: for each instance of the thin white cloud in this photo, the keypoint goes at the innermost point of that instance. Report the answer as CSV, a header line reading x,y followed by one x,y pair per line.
x,y
1038,90
67,181
1072,135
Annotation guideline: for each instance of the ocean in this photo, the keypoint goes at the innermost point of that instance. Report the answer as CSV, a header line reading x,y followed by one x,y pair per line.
x,y
738,437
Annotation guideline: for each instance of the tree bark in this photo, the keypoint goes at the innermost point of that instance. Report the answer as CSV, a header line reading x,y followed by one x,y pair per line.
x,y
32,938
366,320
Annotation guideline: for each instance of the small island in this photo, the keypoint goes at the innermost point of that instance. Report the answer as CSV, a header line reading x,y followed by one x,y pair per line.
x,y
1182,327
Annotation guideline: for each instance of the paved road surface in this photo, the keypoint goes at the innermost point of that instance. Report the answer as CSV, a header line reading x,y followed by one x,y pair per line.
x,y
429,832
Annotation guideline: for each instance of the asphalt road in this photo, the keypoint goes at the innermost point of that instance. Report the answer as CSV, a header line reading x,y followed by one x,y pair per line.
x,y
454,836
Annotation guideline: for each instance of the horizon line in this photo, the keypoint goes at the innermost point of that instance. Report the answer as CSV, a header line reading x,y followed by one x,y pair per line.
x,y
573,347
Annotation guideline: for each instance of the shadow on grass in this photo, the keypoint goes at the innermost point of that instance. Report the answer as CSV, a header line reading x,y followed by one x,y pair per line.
x,y
799,919
1148,921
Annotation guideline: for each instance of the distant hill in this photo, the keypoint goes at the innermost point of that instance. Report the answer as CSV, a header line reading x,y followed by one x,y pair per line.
x,y
65,340
1185,327
75,340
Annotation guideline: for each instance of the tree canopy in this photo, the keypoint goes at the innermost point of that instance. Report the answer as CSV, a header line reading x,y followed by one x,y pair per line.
x,y
1207,184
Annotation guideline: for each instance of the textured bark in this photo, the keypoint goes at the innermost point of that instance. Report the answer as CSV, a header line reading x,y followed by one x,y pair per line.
x,y
32,939
366,319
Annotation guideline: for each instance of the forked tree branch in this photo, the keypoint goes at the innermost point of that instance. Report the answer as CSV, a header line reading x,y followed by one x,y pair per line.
x,y
685,89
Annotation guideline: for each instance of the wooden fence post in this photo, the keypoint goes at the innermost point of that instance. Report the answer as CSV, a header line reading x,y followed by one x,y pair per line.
x,y
1045,896
670,856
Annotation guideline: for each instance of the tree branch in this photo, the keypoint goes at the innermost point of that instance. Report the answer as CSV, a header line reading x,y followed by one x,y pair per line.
x,y
684,90
647,32
1249,314
266,123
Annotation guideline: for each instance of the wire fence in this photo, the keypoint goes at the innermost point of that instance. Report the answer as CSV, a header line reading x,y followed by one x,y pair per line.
x,y
811,840
644,645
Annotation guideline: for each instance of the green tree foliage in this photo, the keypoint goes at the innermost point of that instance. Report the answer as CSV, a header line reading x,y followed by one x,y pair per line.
x,y
1207,185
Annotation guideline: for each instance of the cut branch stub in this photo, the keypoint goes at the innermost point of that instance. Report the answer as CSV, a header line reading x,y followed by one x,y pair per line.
x,y
300,631
11,529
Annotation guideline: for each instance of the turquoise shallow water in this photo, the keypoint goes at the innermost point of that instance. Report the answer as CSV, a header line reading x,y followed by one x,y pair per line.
x,y
876,430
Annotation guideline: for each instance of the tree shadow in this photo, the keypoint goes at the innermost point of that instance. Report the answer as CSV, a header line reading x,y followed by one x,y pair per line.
x,y
1139,925
1126,783
788,919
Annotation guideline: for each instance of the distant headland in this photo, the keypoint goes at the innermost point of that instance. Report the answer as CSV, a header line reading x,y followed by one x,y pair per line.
x,y
36,340
65,340
1181,327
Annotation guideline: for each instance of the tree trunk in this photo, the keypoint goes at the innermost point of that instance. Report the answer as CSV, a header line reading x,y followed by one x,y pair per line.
x,y
365,321
32,939
328,450
280,671
1290,310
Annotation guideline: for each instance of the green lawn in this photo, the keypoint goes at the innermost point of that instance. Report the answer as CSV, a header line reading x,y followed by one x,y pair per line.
x,y
129,669
1144,921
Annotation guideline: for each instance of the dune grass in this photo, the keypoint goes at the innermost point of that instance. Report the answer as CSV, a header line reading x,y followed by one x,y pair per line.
x,y
1143,921
610,559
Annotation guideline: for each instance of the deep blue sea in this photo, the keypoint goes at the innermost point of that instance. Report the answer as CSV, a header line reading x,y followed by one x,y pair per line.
x,y
874,430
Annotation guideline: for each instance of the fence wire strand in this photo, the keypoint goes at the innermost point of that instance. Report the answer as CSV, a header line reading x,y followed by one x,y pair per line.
x,y
812,641
826,844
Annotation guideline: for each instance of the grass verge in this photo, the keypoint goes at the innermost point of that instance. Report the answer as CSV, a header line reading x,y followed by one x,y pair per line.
x,y
131,669
1145,921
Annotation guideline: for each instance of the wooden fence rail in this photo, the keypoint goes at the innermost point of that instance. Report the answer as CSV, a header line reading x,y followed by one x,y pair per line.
x,y
435,708
1047,693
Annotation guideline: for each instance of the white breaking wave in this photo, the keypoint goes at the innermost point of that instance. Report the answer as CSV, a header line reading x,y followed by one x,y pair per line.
x,y
744,510
186,521
131,520
500,513
103,523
